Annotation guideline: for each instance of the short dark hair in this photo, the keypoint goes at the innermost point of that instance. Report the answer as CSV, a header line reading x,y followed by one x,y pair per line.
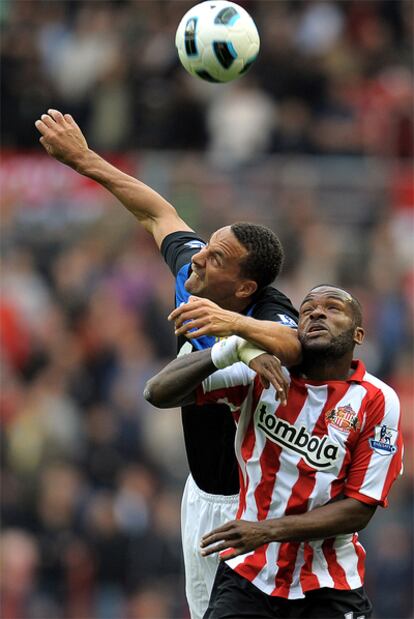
x,y
264,261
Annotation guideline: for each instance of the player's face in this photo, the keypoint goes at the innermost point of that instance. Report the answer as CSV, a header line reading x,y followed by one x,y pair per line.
x,y
326,321
216,271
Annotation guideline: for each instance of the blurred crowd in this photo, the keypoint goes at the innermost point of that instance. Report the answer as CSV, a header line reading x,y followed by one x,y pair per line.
x,y
315,142
331,77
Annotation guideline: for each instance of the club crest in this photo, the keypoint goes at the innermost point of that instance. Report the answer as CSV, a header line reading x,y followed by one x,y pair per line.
x,y
343,418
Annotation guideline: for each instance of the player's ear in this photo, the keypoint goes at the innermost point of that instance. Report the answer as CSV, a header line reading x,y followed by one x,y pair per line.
x,y
359,334
246,289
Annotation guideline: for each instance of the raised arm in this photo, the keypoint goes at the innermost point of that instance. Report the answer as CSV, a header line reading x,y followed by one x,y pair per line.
x,y
210,319
62,139
338,518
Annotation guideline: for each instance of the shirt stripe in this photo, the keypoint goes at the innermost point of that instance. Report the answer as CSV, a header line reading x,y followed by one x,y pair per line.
x,y
326,442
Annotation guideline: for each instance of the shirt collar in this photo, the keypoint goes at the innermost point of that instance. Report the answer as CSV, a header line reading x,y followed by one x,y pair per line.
x,y
359,370
356,377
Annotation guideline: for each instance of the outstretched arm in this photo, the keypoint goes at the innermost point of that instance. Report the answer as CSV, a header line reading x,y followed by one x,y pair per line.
x,y
240,536
208,318
62,138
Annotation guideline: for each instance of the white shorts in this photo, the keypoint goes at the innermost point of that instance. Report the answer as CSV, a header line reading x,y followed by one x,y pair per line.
x,y
200,513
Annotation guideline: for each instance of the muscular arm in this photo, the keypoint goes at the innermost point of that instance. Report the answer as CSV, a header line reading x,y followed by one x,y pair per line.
x,y
210,319
63,140
337,518
175,384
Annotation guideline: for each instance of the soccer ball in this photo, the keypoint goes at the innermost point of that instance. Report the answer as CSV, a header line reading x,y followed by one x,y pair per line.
x,y
217,41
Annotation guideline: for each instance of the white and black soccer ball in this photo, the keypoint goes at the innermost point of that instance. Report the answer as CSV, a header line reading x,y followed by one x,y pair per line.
x,y
217,41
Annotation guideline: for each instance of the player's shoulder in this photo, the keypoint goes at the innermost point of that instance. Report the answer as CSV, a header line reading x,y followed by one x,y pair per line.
x,y
184,238
178,248
270,294
272,300
380,388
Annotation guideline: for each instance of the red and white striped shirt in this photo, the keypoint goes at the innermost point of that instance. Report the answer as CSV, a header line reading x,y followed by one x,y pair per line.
x,y
333,438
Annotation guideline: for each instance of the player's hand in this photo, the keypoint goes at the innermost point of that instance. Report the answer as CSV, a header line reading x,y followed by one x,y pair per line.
x,y
235,538
269,370
206,317
61,137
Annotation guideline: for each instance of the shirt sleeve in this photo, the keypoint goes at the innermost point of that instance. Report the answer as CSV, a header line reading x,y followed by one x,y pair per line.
x,y
178,248
377,456
229,386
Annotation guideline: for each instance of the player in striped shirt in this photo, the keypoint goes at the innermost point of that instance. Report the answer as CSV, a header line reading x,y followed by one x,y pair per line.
x,y
312,471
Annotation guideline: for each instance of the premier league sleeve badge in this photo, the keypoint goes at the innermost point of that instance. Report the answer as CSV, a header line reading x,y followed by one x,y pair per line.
x,y
384,441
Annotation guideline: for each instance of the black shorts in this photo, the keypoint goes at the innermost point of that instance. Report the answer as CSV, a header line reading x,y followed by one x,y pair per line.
x,y
234,597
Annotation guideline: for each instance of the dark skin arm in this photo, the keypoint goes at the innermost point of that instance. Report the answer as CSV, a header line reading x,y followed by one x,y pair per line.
x,y
175,384
337,518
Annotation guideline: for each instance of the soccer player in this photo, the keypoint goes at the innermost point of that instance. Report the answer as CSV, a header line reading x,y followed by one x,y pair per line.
x,y
233,270
313,471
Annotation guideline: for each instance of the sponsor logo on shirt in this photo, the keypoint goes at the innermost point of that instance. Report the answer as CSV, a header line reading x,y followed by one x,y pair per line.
x,y
343,418
317,451
384,441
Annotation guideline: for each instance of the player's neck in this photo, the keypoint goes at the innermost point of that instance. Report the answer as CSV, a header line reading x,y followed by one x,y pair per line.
x,y
317,367
236,305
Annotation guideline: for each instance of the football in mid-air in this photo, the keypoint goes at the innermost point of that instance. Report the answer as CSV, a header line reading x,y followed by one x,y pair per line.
x,y
217,41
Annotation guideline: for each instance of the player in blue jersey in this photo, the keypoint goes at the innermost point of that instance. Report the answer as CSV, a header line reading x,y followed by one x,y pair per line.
x,y
231,276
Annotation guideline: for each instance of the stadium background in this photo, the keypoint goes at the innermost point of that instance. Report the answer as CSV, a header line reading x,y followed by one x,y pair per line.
x,y
316,142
